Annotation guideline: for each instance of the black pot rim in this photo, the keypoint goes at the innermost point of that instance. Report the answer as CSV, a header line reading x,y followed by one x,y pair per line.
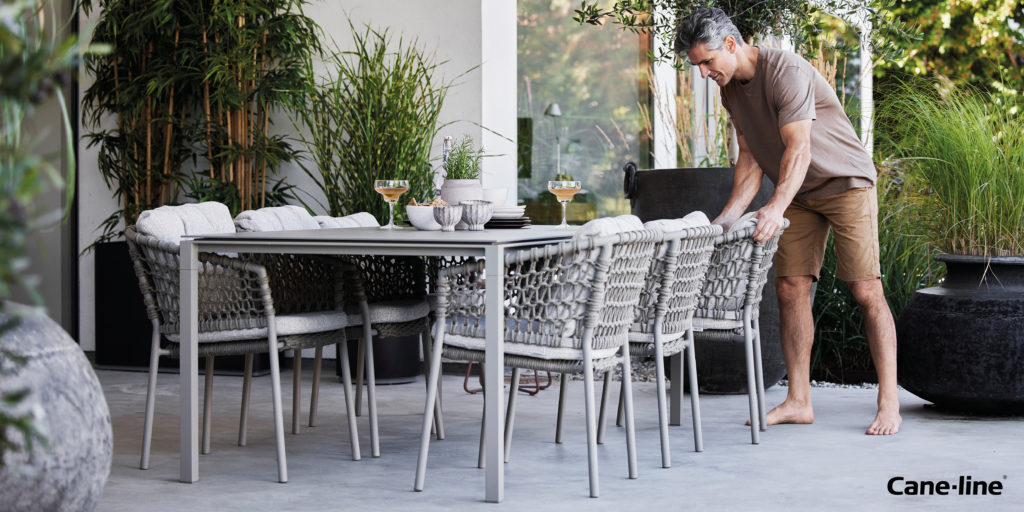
x,y
970,258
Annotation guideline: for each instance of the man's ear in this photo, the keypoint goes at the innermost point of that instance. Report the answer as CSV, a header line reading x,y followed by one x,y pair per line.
x,y
729,44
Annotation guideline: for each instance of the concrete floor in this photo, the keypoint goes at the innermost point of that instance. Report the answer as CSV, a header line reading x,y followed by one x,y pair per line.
x,y
830,465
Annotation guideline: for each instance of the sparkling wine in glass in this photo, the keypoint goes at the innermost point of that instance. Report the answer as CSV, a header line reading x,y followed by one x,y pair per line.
x,y
563,191
391,190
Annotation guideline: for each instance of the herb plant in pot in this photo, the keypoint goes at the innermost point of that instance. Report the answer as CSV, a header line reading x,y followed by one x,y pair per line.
x,y
961,344
462,173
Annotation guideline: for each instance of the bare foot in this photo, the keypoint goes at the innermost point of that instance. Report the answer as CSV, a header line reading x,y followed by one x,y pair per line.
x,y
887,421
788,412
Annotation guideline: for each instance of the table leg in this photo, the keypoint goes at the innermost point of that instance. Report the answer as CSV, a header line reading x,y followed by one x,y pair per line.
x,y
494,374
189,362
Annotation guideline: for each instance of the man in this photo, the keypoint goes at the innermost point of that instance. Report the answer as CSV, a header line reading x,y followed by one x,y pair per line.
x,y
791,127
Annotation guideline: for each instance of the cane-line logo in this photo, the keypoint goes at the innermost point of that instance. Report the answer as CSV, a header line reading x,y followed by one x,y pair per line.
x,y
963,486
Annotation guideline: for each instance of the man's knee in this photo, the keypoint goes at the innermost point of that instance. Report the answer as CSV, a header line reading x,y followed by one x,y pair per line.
x,y
868,292
792,288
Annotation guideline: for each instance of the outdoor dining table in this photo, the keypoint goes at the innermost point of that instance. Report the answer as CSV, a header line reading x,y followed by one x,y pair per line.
x,y
490,244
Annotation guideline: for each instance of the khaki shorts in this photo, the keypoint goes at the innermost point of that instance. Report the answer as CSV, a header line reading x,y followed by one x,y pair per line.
x,y
853,217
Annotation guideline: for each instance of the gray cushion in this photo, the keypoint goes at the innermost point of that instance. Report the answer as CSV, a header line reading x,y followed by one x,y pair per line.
x,y
356,220
301,323
393,312
193,219
609,226
275,218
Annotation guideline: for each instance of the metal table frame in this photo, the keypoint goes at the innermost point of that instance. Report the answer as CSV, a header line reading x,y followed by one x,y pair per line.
x,y
490,244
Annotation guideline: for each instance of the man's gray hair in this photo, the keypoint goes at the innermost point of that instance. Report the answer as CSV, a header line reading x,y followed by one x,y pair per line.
x,y
709,26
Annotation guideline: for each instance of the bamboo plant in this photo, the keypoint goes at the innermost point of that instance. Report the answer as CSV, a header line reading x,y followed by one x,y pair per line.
x,y
192,87
374,116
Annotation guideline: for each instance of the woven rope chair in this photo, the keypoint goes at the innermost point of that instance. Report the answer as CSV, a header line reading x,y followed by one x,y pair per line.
x,y
237,315
664,326
387,296
729,305
571,311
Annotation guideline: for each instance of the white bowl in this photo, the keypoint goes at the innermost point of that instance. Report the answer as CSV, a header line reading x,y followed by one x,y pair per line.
x,y
422,218
476,213
497,196
447,216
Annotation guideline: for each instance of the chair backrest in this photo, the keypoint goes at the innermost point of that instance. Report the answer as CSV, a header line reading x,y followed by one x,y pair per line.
x,y
677,274
232,294
737,273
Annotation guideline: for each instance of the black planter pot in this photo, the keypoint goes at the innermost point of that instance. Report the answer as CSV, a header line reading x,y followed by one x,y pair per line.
x,y
672,193
396,360
123,331
961,344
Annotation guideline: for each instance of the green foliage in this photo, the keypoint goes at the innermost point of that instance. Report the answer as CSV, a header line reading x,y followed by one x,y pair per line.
x,y
978,43
967,147
463,162
34,60
373,117
194,82
753,18
841,352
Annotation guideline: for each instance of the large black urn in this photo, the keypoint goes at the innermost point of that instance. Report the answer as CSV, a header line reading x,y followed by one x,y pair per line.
x,y
672,193
961,344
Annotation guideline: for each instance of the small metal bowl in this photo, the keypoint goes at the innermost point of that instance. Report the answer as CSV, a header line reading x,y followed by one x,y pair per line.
x,y
476,213
448,216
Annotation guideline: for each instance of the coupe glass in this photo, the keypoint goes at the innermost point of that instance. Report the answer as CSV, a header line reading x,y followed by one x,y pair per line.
x,y
391,190
563,191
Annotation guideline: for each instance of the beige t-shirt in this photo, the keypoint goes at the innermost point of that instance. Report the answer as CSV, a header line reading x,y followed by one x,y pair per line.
x,y
786,88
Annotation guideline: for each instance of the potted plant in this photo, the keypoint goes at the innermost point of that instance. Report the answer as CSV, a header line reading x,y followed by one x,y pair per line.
x,y
56,441
961,345
462,172
180,110
374,115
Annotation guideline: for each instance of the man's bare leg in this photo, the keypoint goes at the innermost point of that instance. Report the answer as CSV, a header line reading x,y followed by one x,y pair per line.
x,y
796,325
881,333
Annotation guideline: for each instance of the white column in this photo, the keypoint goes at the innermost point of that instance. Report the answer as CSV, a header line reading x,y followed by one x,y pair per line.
x,y
867,103
664,111
498,94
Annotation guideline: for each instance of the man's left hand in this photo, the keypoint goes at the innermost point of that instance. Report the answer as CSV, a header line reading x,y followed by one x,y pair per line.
x,y
769,222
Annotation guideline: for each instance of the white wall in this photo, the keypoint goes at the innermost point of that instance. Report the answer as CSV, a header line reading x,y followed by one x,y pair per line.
x,y
465,33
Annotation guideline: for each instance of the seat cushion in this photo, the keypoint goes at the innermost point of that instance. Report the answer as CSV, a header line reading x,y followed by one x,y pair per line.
x,y
275,218
515,346
609,226
193,219
356,220
393,311
748,219
691,220
287,325
701,324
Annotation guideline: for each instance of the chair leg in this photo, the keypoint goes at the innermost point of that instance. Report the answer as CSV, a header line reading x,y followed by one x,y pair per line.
x,y
659,366
563,387
588,397
350,409
207,404
627,389
510,414
147,427
748,346
243,420
433,379
296,389
675,409
371,393
604,402
759,374
438,427
691,370
360,367
619,413
314,393
275,389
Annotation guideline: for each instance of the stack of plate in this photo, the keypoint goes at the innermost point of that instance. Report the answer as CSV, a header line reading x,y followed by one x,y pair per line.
x,y
508,217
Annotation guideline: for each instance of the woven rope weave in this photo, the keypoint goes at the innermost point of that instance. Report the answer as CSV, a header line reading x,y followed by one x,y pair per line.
x,y
737,274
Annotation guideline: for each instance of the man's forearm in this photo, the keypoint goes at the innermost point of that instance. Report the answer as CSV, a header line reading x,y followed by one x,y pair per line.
x,y
746,183
792,171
